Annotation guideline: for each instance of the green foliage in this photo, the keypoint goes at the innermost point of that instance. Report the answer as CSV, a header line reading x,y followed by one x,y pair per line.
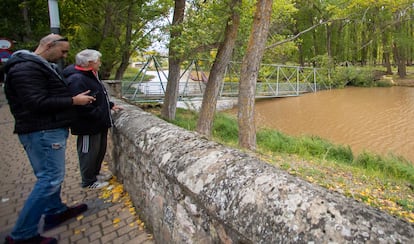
x,y
391,166
267,73
185,119
130,73
323,61
357,31
24,22
274,141
312,146
354,76
231,79
225,128
282,54
383,83
116,28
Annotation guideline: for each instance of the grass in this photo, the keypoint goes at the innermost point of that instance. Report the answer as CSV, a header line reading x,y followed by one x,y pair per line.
x,y
386,183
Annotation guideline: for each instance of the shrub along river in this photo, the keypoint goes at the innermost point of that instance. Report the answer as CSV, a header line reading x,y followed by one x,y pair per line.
x,y
377,120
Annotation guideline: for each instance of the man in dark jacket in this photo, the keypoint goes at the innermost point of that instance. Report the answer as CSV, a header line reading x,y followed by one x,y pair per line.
x,y
93,120
43,108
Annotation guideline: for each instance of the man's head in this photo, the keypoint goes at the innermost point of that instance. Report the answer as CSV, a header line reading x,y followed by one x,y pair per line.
x,y
53,47
89,58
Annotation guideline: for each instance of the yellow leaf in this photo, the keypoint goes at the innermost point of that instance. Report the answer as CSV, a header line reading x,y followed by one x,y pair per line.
x,y
115,197
79,217
116,221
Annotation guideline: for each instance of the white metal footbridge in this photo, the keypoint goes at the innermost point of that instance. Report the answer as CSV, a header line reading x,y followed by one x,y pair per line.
x,y
274,81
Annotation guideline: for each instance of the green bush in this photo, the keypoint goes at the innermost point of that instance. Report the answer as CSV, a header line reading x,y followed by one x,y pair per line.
x,y
383,83
354,77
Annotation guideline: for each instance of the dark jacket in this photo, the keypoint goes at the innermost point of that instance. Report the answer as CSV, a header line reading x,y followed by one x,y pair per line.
x,y
38,97
95,117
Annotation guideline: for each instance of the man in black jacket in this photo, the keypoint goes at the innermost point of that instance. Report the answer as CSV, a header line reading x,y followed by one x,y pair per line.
x,y
93,120
43,108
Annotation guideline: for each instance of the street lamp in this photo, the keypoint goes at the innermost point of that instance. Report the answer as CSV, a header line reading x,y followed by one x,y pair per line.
x,y
54,16
55,24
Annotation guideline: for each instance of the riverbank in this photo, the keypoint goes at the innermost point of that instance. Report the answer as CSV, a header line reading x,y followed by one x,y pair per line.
x,y
397,81
404,82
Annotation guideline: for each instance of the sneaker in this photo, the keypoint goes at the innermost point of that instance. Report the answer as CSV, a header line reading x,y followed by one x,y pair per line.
x,y
97,185
34,240
104,176
53,220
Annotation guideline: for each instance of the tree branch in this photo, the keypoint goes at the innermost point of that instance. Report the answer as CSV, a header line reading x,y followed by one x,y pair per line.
x,y
300,33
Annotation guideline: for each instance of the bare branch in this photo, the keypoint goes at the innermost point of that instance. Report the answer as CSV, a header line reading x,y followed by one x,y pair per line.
x,y
300,33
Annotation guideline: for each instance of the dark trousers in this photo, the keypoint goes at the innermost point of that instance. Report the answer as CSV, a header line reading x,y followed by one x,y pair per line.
x,y
91,153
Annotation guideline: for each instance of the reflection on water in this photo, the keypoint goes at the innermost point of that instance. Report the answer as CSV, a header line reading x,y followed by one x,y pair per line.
x,y
379,120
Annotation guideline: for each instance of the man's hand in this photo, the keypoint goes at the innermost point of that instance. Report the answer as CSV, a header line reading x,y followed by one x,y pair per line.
x,y
83,98
116,108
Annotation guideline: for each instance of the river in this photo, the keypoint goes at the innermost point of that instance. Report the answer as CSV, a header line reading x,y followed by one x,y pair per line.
x,y
378,120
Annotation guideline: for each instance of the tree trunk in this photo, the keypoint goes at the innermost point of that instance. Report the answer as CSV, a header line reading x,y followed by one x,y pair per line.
x,y
123,66
107,31
27,26
171,94
386,53
329,41
364,50
249,73
126,51
400,61
300,54
387,63
215,79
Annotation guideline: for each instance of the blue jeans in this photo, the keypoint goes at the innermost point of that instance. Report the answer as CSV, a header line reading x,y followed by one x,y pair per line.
x,y
46,152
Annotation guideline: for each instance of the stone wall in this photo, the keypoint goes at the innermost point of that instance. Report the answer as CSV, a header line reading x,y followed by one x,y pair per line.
x,y
114,87
188,189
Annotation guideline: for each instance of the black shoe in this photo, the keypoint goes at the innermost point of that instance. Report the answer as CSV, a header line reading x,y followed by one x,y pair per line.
x,y
34,240
53,220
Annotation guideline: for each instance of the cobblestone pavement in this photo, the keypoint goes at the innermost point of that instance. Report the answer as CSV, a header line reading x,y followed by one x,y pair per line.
x,y
104,221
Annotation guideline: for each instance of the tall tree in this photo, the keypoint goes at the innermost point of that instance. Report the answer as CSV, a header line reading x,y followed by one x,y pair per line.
x,y
137,30
171,94
249,73
116,29
24,22
215,79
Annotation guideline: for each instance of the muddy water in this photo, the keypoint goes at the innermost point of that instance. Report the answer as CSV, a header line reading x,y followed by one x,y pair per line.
x,y
379,120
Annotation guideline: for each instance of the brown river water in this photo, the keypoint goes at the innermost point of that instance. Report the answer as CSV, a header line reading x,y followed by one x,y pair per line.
x,y
377,120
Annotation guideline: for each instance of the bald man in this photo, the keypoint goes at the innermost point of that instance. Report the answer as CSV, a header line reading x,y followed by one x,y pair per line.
x,y
43,108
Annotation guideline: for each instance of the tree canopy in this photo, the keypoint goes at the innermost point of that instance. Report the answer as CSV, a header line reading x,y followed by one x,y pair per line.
x,y
301,31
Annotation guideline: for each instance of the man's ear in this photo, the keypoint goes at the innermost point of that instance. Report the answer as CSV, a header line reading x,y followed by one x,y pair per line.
x,y
51,44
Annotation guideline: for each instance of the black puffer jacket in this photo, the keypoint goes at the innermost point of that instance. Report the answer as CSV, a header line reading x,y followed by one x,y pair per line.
x,y
95,117
38,97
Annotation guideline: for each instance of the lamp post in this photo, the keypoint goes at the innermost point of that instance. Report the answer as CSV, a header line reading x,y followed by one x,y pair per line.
x,y
55,24
54,16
